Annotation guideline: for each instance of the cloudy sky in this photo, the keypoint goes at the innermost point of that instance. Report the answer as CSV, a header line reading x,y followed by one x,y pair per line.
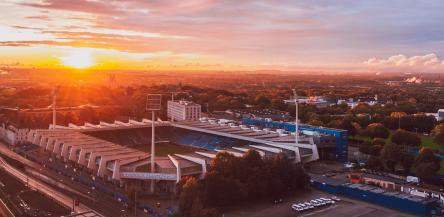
x,y
371,35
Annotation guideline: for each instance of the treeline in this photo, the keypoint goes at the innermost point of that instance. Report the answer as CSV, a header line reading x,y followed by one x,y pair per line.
x,y
232,180
400,151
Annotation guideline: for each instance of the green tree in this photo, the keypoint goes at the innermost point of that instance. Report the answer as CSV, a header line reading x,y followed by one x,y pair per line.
x,y
374,163
365,147
427,164
438,131
403,137
390,155
347,124
377,130
407,161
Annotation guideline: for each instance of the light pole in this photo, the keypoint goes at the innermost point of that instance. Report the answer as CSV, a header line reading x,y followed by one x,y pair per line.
x,y
296,132
55,91
153,103
153,150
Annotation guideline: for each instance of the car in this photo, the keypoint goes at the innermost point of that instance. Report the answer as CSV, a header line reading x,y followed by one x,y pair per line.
x,y
309,205
327,201
297,207
302,207
336,198
322,202
315,203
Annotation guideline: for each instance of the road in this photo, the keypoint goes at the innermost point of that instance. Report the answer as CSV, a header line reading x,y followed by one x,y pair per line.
x,y
49,191
101,203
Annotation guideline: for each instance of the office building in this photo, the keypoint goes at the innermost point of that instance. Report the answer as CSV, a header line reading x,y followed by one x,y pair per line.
x,y
183,110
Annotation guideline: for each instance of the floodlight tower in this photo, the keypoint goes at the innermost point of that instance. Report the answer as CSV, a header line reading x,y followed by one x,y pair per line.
x,y
296,132
55,91
172,101
153,104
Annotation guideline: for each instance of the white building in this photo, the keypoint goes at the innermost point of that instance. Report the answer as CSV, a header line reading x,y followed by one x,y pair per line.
x,y
183,110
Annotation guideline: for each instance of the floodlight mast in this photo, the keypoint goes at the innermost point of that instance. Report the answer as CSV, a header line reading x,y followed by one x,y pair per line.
x,y
153,103
54,98
172,101
296,132
153,150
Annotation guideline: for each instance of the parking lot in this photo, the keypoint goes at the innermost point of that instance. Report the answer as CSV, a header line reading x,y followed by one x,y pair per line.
x,y
344,208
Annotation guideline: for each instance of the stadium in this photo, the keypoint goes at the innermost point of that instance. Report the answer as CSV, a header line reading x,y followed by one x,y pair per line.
x,y
119,152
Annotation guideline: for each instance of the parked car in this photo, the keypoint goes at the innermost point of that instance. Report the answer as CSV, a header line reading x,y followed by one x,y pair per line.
x,y
336,198
327,200
309,205
316,203
320,201
297,207
303,207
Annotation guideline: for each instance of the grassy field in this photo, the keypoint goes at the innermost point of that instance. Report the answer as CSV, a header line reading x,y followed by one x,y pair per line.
x,y
166,148
427,141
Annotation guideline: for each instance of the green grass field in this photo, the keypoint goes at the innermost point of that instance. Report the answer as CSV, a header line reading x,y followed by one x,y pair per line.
x,y
166,148
427,141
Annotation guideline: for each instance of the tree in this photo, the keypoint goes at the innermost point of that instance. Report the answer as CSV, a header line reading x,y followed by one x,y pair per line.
x,y
407,161
315,122
427,172
405,138
438,131
427,164
347,124
262,101
424,123
390,155
362,108
374,163
398,116
365,147
231,180
187,197
427,155
377,130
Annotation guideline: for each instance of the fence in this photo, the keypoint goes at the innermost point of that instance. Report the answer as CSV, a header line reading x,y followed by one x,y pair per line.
x,y
395,200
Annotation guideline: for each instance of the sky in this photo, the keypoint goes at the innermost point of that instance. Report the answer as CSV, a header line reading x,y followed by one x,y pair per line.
x,y
330,35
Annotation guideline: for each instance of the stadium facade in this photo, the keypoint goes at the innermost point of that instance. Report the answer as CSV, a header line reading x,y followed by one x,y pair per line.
x,y
108,150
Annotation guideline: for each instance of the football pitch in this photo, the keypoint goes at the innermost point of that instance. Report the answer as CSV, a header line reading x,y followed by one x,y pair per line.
x,y
166,148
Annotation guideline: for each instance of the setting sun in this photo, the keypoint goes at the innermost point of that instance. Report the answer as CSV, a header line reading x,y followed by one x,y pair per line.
x,y
79,58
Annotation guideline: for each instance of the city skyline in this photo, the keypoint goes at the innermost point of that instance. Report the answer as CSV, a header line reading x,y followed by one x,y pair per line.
x,y
401,36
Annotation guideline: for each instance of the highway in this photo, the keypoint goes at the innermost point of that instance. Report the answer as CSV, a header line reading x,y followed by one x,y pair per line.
x,y
41,187
98,201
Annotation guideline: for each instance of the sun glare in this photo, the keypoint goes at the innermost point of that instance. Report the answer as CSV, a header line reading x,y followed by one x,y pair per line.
x,y
79,58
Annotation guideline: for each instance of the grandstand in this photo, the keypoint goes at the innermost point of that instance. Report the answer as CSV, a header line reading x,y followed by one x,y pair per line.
x,y
112,150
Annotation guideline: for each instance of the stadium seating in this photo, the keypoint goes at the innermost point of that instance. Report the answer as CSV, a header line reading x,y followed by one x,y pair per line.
x,y
133,137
